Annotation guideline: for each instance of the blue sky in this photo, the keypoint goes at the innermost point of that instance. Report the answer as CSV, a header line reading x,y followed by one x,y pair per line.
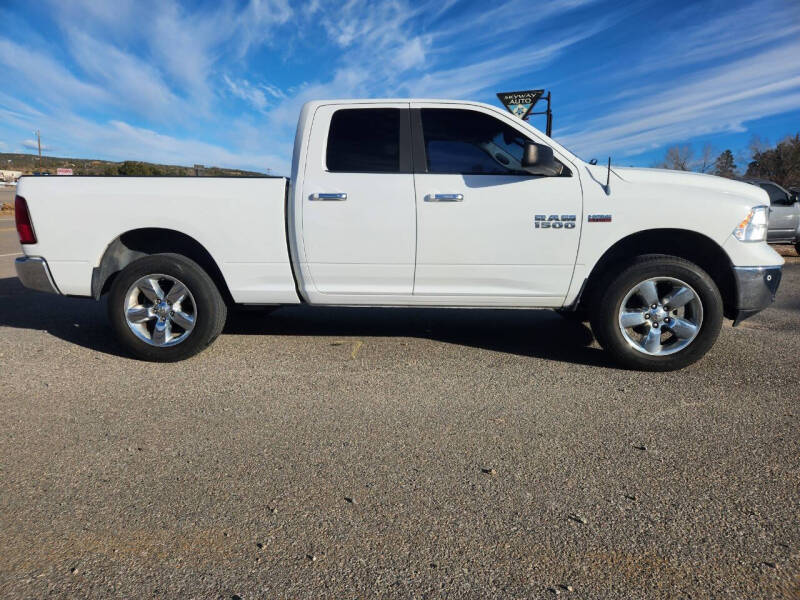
x,y
221,83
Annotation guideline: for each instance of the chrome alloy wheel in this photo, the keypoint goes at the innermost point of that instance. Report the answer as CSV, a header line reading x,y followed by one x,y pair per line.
x,y
660,316
160,310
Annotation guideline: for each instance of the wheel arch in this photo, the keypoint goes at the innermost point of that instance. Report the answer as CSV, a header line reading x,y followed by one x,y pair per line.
x,y
683,243
137,243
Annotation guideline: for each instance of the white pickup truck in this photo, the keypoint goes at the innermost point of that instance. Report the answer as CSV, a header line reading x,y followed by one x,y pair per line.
x,y
410,203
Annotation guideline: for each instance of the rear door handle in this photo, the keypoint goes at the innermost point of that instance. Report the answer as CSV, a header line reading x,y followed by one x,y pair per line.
x,y
338,196
444,198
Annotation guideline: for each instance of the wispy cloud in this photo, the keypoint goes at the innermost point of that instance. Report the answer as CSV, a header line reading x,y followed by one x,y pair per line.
x,y
45,77
246,91
473,77
188,43
695,39
124,141
223,82
257,95
496,22
34,145
126,78
168,149
386,55
713,99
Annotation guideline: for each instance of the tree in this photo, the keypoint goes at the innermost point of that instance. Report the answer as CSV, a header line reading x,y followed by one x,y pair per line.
x,y
725,166
140,169
677,158
705,164
780,164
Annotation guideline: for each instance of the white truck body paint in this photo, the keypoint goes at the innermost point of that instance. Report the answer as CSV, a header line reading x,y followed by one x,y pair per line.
x,y
385,245
365,244
486,244
240,221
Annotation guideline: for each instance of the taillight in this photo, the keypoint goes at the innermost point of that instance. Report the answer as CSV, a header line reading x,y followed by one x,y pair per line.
x,y
23,218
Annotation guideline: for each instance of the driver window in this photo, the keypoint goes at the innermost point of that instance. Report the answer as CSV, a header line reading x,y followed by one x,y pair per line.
x,y
468,142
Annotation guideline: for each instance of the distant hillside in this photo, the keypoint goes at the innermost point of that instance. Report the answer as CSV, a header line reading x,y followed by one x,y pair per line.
x,y
29,163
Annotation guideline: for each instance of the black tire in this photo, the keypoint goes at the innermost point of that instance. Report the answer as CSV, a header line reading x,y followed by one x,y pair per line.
x,y
209,307
797,248
612,292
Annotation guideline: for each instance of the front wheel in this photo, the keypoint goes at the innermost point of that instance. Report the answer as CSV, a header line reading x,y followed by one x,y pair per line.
x,y
660,313
165,308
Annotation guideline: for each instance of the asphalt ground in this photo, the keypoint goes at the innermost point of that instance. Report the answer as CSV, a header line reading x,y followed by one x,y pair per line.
x,y
393,453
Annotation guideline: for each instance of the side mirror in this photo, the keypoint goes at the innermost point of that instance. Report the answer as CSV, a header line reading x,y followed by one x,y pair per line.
x,y
537,159
795,197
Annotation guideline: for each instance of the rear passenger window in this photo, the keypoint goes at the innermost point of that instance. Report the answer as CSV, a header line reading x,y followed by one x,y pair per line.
x,y
364,140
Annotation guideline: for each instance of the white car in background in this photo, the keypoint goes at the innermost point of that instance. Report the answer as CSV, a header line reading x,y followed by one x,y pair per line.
x,y
784,213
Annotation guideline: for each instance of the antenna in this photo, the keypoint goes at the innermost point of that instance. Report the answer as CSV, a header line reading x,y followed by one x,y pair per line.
x,y
608,177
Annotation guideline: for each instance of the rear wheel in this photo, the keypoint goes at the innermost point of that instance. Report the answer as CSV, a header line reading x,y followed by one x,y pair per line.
x,y
165,308
660,313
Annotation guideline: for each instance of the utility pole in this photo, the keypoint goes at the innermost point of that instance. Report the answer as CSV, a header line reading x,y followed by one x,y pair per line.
x,y
39,143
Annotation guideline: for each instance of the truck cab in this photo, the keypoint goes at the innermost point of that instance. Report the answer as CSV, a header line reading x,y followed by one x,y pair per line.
x,y
428,203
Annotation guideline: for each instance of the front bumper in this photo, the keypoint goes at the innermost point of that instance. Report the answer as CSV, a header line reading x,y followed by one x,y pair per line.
x,y
34,273
755,290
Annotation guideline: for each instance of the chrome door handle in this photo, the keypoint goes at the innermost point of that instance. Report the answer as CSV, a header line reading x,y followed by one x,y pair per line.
x,y
338,196
444,198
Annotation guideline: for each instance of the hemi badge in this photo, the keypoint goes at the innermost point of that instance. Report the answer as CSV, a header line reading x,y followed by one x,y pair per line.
x,y
599,218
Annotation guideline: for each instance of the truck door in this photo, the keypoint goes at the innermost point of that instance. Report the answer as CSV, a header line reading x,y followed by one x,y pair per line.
x,y
485,227
358,214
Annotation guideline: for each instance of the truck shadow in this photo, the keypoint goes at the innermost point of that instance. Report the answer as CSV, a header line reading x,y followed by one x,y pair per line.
x,y
78,321
534,333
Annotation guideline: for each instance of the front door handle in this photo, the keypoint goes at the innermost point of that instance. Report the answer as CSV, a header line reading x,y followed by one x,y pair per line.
x,y
444,198
338,196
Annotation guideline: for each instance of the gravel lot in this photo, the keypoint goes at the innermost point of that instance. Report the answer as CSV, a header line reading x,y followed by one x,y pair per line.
x,y
394,453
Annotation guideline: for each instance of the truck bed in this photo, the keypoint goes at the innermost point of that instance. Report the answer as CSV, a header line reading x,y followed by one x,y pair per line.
x,y
241,222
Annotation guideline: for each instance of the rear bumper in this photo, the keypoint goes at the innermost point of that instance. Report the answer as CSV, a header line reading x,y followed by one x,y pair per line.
x,y
34,274
755,290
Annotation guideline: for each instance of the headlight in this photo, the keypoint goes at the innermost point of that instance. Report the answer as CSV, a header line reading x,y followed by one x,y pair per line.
x,y
754,226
